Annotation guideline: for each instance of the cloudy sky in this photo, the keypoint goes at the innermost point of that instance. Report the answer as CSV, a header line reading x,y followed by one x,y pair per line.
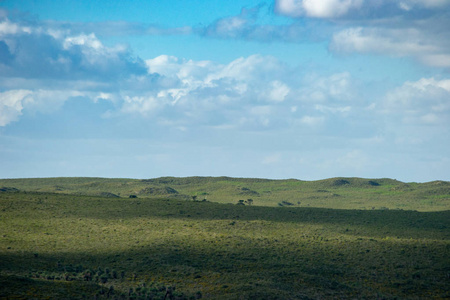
x,y
306,89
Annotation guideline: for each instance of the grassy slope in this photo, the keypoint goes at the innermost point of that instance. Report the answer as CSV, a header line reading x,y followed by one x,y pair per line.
x,y
48,241
342,193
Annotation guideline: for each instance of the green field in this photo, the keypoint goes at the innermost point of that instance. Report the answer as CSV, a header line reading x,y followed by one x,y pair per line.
x,y
84,238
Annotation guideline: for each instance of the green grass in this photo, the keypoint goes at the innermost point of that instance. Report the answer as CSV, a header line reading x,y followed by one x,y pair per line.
x,y
50,241
339,193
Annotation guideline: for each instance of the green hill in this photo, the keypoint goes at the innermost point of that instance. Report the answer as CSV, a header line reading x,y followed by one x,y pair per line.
x,y
85,238
342,193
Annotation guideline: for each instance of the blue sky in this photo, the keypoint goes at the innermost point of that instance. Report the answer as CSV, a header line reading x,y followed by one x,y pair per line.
x,y
269,89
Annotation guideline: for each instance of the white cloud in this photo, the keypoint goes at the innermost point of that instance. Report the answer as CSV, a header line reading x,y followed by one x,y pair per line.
x,y
255,92
292,8
349,8
398,28
424,101
229,25
11,105
254,67
436,60
8,28
140,104
42,53
240,93
329,8
164,64
90,41
14,102
399,42
316,8
46,67
416,42
278,91
337,87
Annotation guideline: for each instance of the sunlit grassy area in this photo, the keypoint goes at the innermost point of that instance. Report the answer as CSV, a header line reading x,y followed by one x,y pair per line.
x,y
75,246
341,193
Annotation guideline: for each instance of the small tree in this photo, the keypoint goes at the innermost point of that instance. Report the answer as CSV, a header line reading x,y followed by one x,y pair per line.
x,y
249,201
194,198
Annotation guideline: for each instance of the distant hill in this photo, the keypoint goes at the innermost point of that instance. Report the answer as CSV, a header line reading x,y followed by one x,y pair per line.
x,y
341,192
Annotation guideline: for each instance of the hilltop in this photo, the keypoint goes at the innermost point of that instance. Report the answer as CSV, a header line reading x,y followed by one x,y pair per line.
x,y
341,193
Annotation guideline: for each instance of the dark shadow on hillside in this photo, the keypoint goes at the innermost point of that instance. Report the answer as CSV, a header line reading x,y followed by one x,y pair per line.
x,y
148,208
20,287
379,223
324,264
288,272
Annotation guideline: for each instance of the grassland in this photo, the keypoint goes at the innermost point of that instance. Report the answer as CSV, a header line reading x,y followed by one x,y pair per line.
x,y
84,238
339,193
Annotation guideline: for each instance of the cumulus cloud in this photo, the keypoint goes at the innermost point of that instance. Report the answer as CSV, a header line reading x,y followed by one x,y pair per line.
x,y
411,28
278,91
316,8
255,92
41,68
337,87
39,52
425,101
242,91
399,28
13,102
427,47
335,9
380,41
11,105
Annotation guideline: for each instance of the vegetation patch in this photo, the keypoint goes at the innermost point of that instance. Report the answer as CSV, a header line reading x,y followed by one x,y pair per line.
x,y
8,189
69,245
247,192
337,193
340,182
158,191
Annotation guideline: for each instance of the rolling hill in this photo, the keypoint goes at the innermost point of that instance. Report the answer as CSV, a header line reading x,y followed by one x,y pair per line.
x,y
192,238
